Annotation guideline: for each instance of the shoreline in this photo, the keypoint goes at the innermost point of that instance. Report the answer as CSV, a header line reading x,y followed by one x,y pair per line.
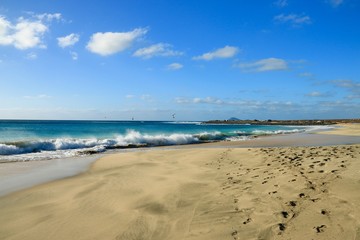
x,y
18,176
21,175
60,147
206,191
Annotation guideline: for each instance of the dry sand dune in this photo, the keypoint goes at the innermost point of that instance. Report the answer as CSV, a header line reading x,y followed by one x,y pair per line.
x,y
216,193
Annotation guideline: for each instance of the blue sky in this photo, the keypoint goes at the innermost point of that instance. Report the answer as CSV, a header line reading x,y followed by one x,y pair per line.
x,y
279,59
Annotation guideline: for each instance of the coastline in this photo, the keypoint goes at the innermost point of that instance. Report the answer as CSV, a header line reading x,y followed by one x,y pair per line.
x,y
206,191
312,122
16,176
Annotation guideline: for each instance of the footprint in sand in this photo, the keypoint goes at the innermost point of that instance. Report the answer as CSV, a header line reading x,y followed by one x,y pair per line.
x,y
324,212
282,226
234,233
285,214
247,221
320,229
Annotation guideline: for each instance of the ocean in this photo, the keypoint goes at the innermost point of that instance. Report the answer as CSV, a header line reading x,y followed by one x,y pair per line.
x,y
25,140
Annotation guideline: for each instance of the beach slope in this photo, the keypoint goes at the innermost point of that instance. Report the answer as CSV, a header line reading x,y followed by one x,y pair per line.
x,y
199,193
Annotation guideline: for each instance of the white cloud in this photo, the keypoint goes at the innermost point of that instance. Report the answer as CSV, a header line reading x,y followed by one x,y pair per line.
x,y
175,66
129,96
352,86
318,94
306,75
207,100
31,56
294,19
146,97
109,43
263,65
68,40
346,83
25,33
40,96
245,104
49,16
225,52
160,49
281,3
336,3
74,55
4,26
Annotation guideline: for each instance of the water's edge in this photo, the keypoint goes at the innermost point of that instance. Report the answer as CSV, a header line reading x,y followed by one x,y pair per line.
x,y
16,176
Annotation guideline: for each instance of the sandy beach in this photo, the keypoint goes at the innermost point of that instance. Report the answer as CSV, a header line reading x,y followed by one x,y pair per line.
x,y
347,129
218,192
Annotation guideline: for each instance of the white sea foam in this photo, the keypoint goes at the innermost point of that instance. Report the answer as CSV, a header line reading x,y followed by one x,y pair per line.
x,y
67,147
131,138
268,132
136,138
237,138
318,128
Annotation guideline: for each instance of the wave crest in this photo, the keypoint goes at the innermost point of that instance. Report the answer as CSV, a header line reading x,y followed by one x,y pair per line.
x,y
65,147
130,139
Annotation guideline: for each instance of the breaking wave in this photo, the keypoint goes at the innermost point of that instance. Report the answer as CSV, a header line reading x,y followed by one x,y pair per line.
x,y
67,147
130,139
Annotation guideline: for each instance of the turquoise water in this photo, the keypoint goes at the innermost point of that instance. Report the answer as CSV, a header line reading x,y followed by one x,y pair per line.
x,y
33,140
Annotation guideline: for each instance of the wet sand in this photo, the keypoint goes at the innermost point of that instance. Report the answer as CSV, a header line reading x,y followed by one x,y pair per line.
x,y
15,176
219,192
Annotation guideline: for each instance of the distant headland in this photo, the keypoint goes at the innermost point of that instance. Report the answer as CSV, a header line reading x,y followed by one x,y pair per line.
x,y
284,122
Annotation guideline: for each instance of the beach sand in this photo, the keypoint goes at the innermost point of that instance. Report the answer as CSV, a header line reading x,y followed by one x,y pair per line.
x,y
345,129
197,193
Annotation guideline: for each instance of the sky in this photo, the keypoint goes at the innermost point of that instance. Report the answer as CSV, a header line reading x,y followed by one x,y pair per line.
x,y
199,59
